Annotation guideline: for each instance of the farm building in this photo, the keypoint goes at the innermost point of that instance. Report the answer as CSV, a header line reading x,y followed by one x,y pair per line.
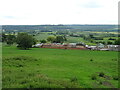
x,y
100,46
60,46
113,47
81,43
104,49
38,45
73,45
91,47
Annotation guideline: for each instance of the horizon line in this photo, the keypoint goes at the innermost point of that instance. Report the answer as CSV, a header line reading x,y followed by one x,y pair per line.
x,y
61,24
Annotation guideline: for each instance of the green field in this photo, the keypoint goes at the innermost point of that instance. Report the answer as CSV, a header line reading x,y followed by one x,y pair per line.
x,y
77,39
71,39
53,68
42,36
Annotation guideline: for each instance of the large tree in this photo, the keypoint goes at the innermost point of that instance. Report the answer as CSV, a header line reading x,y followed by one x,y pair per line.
x,y
51,39
60,39
117,42
25,41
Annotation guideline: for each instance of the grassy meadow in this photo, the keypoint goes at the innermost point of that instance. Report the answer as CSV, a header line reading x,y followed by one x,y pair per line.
x,y
59,68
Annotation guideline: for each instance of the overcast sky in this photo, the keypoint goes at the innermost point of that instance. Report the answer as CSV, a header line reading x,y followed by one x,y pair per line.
x,y
36,12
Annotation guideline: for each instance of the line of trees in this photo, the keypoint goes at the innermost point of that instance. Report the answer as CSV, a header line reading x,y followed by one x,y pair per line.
x,y
9,39
57,39
117,42
24,40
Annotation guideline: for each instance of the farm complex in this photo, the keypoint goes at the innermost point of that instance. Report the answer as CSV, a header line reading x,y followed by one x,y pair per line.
x,y
78,46
60,56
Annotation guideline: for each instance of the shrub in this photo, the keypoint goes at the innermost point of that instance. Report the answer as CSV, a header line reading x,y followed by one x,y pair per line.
x,y
73,79
101,74
109,42
101,82
19,65
43,41
115,78
93,77
91,59
111,39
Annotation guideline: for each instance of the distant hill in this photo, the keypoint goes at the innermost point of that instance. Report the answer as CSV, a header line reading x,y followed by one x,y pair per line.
x,y
72,27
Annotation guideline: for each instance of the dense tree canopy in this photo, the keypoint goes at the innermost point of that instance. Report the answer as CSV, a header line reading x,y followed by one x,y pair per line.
x,y
51,39
43,41
10,39
25,41
4,37
57,39
117,42
60,39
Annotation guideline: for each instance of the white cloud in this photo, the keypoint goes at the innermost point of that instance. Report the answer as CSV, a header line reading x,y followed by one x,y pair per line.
x,y
28,12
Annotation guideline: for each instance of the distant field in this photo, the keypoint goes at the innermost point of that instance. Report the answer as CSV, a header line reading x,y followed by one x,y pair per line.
x,y
52,68
78,39
42,36
71,39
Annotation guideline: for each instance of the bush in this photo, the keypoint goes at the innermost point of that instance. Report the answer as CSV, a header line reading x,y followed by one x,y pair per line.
x,y
117,42
93,77
109,42
111,39
91,59
25,41
101,82
115,78
101,74
73,79
43,41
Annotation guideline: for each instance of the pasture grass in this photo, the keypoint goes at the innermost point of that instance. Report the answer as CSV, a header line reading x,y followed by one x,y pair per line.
x,y
42,36
58,68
